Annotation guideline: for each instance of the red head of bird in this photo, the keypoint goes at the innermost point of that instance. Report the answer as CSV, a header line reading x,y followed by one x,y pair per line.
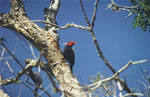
x,y
70,43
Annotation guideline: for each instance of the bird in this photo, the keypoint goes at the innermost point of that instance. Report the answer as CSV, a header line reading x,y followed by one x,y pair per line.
x,y
69,53
35,77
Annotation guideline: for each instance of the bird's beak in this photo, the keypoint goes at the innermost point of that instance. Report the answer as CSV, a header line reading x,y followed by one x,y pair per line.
x,y
64,43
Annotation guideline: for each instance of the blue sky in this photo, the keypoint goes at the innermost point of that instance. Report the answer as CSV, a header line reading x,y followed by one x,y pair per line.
x,y
118,41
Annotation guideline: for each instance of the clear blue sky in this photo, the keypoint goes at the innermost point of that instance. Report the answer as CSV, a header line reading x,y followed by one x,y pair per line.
x,y
118,41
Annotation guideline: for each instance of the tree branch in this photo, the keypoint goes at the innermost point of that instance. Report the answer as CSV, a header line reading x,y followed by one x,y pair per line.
x,y
46,68
100,53
115,7
57,27
18,62
133,94
17,5
15,79
85,16
99,83
3,94
40,88
46,42
50,16
31,89
94,14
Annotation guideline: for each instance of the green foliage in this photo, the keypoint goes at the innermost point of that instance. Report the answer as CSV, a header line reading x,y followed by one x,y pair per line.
x,y
142,14
96,78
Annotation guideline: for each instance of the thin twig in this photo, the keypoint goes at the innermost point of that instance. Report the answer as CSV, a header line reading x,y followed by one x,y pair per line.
x,y
19,74
100,53
1,86
32,51
30,89
11,70
2,53
44,90
132,94
115,7
19,94
94,14
127,7
46,22
145,86
18,62
13,80
75,26
98,84
85,16
15,45
55,25
44,67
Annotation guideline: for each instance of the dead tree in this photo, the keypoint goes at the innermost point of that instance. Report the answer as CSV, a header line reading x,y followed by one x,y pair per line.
x,y
46,41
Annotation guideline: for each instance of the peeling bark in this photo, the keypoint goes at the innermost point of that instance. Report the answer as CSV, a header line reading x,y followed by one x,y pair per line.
x,y
46,43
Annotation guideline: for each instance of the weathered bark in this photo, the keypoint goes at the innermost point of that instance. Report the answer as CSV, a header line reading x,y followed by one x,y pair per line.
x,y
46,43
2,94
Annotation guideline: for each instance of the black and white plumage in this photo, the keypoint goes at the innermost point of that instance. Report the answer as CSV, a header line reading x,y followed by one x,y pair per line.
x,y
69,53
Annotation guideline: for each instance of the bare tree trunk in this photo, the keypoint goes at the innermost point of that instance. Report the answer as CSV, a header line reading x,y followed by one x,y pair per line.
x,y
46,43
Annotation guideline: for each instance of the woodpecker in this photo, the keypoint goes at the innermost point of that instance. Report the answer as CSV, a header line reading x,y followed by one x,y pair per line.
x,y
69,53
